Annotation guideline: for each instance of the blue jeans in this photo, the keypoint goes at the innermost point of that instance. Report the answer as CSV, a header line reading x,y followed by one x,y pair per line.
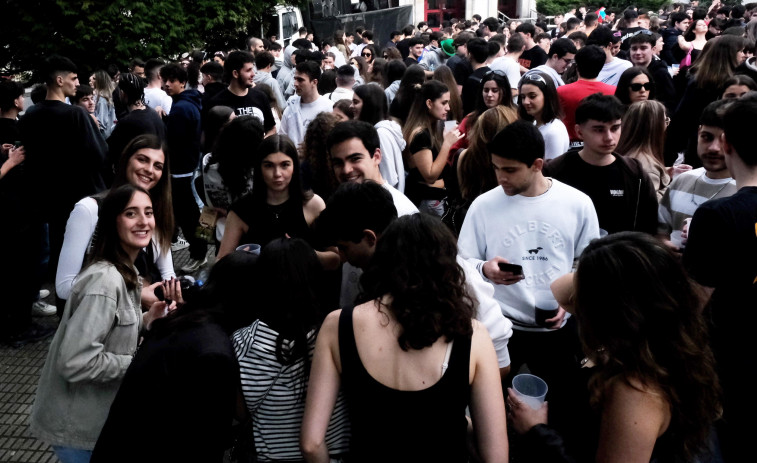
x,y
72,455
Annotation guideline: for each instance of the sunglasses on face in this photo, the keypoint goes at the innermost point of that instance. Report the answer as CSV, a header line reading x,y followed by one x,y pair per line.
x,y
365,55
637,87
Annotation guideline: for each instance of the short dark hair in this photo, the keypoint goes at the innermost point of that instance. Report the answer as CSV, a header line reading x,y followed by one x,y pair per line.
x,y
56,65
236,61
354,129
598,107
526,28
713,113
520,141
213,69
590,19
738,122
344,74
579,36
561,47
589,61
38,93
572,23
422,23
414,41
643,38
678,17
136,62
408,30
302,44
368,35
516,43
491,23
311,68
601,36
436,35
263,60
173,71
394,34
354,207
463,38
478,48
630,14
10,90
132,86
152,68
274,46
477,17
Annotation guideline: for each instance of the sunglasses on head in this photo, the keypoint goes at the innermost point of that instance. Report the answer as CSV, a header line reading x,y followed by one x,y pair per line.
x,y
637,87
535,78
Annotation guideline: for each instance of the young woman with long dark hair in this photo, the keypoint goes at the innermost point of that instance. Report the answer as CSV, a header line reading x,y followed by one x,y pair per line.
x,y
99,330
144,164
409,359
538,102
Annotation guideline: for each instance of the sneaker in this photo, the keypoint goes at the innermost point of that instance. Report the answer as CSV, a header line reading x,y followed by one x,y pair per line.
x,y
43,309
194,265
32,334
180,244
43,293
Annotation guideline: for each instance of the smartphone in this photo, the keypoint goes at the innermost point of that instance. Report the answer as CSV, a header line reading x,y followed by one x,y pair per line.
x,y
513,268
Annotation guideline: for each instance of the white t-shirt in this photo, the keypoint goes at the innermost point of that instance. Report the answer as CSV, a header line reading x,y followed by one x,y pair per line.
x,y
510,68
556,139
155,97
610,73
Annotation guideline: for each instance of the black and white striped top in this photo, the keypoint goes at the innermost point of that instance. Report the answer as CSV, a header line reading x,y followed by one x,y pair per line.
x,y
274,396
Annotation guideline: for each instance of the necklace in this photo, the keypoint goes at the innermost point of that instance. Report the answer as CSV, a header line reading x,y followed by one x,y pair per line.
x,y
694,190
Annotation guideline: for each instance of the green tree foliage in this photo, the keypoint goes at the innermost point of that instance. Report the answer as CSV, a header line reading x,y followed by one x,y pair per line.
x,y
94,33
552,7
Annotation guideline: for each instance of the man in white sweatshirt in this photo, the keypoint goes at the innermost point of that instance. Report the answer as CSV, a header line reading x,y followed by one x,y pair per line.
x,y
541,226
306,104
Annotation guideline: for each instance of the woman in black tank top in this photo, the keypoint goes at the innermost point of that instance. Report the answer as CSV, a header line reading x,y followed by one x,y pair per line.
x,y
409,360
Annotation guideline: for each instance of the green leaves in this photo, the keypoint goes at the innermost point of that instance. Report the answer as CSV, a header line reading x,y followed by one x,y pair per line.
x,y
95,33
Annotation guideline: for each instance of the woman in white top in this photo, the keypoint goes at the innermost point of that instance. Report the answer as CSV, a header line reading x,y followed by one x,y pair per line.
x,y
143,164
537,101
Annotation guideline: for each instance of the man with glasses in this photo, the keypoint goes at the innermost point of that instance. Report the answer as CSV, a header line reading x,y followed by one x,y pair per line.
x,y
589,62
614,67
562,53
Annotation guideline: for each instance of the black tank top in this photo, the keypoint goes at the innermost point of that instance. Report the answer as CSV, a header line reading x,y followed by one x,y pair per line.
x,y
269,222
405,426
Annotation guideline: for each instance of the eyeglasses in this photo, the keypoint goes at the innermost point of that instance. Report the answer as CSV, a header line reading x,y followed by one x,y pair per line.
x,y
648,86
535,77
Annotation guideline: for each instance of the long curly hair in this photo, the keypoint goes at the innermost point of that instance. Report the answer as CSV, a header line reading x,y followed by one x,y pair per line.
x,y
415,266
323,182
638,308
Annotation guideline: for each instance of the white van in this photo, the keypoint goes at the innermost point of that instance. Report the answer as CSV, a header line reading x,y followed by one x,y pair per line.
x,y
287,20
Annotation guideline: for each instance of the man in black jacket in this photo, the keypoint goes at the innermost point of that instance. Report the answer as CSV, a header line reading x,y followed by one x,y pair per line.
x,y
642,55
622,193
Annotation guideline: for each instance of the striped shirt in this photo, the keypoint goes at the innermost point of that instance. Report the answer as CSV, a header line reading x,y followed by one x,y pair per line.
x,y
275,397
685,194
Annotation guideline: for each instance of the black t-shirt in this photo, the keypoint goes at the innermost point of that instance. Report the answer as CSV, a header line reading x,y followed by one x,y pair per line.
x,y
605,185
536,56
721,253
404,47
409,61
255,103
460,68
471,87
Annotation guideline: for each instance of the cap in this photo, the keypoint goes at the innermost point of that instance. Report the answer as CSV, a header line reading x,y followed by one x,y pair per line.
x,y
448,47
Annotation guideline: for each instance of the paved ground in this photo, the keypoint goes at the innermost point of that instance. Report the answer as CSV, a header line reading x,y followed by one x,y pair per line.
x,y
19,373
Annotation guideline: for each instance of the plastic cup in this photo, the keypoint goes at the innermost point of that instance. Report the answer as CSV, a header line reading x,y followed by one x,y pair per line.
x,y
545,306
676,238
252,248
531,390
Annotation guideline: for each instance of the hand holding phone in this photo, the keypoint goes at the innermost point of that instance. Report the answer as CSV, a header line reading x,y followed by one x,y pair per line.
x,y
501,272
512,268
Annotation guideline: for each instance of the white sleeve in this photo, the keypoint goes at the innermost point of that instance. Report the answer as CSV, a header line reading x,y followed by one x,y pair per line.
x,y
164,262
488,312
79,229
513,74
167,102
589,229
284,127
472,243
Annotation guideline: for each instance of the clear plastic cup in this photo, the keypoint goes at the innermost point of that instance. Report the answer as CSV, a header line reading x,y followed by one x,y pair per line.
x,y
530,389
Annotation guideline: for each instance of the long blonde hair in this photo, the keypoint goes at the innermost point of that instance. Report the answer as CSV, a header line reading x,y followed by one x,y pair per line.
x,y
643,131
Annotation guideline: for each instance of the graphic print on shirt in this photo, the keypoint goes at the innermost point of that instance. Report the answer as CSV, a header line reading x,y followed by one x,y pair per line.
x,y
252,111
544,241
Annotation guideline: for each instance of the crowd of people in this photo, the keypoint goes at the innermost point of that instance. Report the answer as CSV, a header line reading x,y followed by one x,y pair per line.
x,y
390,216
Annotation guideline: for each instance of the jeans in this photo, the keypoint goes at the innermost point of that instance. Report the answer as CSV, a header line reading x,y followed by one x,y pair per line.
x,y
72,455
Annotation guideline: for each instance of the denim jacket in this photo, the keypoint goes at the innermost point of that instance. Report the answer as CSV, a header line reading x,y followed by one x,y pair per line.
x,y
88,357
